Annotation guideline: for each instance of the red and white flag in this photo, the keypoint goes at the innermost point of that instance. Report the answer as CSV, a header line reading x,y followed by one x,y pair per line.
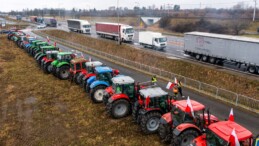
x,y
82,55
48,39
175,81
233,139
189,108
55,44
90,59
170,85
231,115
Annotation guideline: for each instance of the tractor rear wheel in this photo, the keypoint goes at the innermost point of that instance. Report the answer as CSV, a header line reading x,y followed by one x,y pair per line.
x,y
97,94
150,122
47,68
164,132
39,60
119,108
63,72
185,138
135,110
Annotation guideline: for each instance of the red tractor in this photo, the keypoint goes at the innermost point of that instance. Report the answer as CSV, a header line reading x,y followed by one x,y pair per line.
x,y
180,126
218,134
77,66
47,60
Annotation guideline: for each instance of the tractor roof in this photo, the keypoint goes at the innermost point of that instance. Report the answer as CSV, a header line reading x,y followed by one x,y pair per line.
x,y
93,63
123,80
224,129
39,43
103,69
48,47
35,41
153,92
78,60
181,104
52,52
65,53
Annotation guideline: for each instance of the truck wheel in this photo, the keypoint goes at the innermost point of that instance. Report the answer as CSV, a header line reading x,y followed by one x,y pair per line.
x,y
150,122
204,58
164,132
212,60
63,72
119,108
135,110
198,56
97,94
185,138
252,69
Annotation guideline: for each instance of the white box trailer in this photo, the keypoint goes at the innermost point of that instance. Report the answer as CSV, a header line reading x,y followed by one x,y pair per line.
x,y
151,39
215,48
80,26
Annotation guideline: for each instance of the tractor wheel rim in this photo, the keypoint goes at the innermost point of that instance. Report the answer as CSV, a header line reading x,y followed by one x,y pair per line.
x,y
98,95
78,79
187,140
152,124
120,109
65,74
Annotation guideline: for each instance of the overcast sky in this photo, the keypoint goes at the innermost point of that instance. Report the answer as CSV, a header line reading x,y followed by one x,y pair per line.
x,y
7,5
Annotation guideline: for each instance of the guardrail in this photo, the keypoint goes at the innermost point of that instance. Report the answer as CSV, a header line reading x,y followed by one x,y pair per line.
x,y
216,92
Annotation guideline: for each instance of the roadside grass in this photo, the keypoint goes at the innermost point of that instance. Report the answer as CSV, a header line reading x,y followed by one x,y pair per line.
x,y
222,79
39,109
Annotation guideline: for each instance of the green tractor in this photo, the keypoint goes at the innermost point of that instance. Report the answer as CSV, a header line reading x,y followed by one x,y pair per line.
x,y
42,53
61,66
32,45
47,60
34,50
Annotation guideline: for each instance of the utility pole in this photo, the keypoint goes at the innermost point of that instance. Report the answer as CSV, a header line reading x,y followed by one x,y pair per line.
x,y
119,39
254,11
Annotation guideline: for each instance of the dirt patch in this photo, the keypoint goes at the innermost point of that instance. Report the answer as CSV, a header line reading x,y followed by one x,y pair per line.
x,y
1,70
194,71
7,56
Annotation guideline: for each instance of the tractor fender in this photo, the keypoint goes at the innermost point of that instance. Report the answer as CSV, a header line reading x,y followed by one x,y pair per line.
x,y
91,80
148,110
41,55
166,118
184,126
118,96
36,55
89,75
98,83
62,64
54,63
47,61
109,90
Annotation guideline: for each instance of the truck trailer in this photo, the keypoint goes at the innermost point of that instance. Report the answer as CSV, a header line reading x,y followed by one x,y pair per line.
x,y
217,48
115,31
80,26
49,21
153,40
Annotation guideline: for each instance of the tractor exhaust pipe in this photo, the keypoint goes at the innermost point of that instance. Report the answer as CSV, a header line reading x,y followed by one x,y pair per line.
x,y
208,113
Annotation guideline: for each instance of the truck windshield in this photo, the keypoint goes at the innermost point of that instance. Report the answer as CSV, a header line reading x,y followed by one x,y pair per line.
x,y
86,26
161,40
214,140
129,30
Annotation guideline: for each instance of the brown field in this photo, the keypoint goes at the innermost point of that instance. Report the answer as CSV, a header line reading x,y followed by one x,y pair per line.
x,y
39,109
226,80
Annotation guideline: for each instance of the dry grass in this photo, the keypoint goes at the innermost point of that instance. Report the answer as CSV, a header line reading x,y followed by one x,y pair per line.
x,y
211,76
39,109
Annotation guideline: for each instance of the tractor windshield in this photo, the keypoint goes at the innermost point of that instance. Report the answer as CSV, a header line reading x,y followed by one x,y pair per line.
x,y
117,88
90,69
51,56
104,76
76,66
64,57
214,140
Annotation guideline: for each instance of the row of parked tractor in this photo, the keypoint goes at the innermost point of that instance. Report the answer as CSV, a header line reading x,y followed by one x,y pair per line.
x,y
180,122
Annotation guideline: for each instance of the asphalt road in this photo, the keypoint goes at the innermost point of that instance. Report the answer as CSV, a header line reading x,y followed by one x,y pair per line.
x,y
221,110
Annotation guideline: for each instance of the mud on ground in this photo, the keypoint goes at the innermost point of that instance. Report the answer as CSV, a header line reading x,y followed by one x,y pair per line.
x,y
39,109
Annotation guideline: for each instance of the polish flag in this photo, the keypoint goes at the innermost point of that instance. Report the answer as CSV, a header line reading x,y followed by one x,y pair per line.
x,y
147,102
55,44
90,59
189,108
175,81
48,39
231,115
82,55
170,85
233,139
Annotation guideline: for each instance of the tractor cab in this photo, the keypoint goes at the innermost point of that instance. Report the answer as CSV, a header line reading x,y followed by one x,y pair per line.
x,y
52,55
85,75
16,35
27,40
42,52
91,65
32,45
65,56
219,134
123,84
77,65
47,60
104,73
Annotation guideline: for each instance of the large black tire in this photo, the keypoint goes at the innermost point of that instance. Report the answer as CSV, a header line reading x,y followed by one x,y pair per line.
x,y
87,87
164,132
252,69
39,60
150,122
47,68
135,110
106,98
185,138
63,72
118,109
80,77
77,78
97,94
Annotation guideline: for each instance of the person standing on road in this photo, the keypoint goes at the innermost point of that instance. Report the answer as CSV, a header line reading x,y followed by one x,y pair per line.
x,y
154,80
179,86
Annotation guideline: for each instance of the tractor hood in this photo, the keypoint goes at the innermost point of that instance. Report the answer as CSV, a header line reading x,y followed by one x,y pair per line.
x,y
55,63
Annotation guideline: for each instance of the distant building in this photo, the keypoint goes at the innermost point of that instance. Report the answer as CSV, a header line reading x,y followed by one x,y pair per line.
x,y
147,21
112,8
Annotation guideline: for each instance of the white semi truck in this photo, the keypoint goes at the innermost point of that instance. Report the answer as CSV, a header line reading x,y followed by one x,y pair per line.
x,y
80,26
217,48
115,31
153,40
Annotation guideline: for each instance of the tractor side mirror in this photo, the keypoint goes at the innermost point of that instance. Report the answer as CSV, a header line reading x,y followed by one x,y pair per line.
x,y
116,71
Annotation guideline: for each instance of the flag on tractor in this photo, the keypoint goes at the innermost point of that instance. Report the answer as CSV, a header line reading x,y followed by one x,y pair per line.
x,y
189,108
231,115
90,59
169,85
55,44
233,139
48,39
175,81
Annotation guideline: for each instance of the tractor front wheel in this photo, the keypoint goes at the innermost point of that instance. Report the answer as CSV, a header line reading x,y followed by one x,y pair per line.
x,y
47,68
164,132
150,122
97,94
185,138
119,108
135,110
63,72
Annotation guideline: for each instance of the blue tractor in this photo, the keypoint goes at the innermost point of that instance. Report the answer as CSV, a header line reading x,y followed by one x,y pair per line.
x,y
99,82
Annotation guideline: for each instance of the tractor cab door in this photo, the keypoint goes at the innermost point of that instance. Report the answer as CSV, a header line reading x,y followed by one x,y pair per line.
x,y
105,77
128,89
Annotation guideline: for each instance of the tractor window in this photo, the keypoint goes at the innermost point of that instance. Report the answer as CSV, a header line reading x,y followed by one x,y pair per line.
x,y
177,116
90,69
78,66
129,90
72,66
83,65
118,88
104,76
214,140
